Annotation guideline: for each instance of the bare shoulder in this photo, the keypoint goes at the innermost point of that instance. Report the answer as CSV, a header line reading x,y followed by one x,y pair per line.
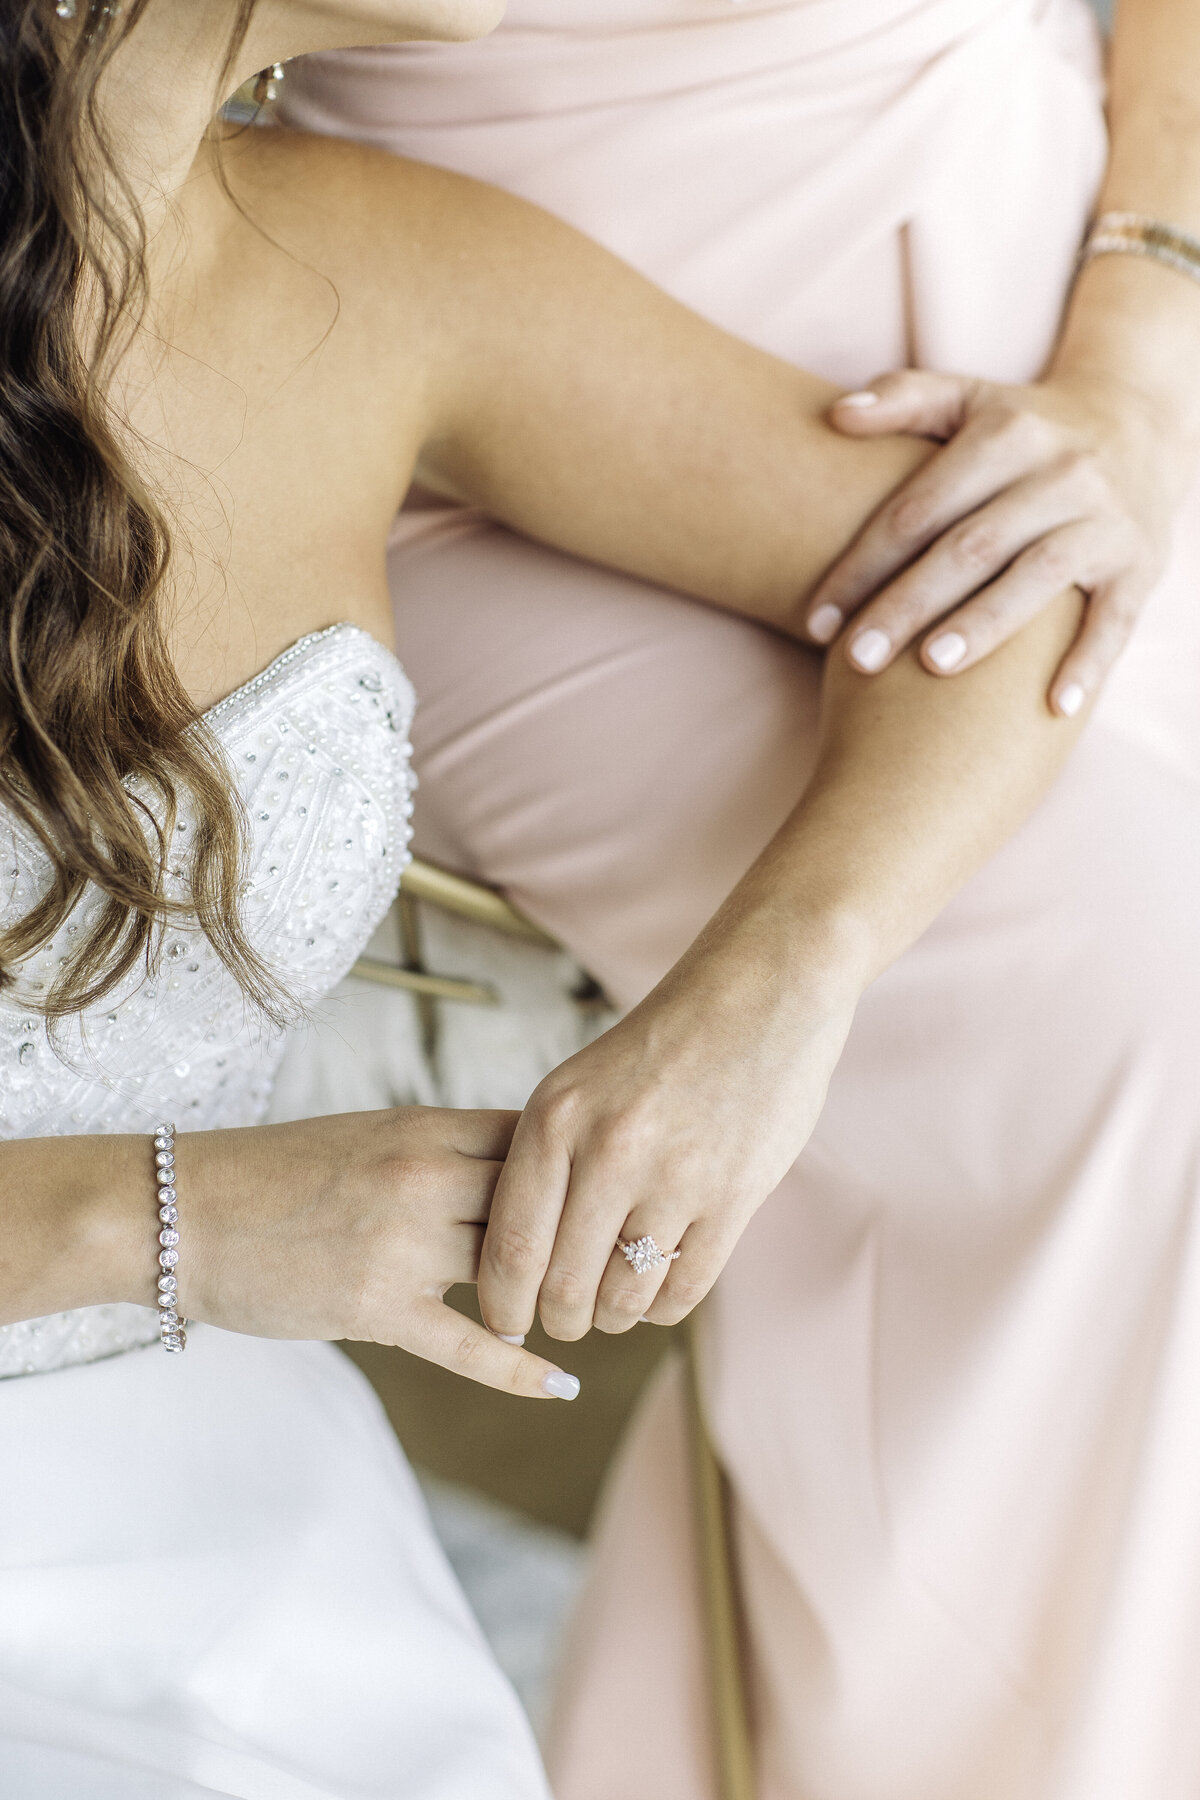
x,y
387,231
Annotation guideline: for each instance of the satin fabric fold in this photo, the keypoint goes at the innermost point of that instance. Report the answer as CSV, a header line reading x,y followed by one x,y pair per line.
x,y
219,1578
532,68
859,122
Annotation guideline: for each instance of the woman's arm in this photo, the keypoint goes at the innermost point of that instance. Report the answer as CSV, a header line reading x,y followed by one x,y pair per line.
x,y
352,1226
588,410
1133,324
578,403
1076,477
683,1118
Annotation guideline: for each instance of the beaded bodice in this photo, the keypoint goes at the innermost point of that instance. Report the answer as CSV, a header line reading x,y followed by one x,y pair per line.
x,y
319,747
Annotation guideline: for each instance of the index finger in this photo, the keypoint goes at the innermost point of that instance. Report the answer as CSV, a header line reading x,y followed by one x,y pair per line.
x,y
440,1335
479,1132
526,1208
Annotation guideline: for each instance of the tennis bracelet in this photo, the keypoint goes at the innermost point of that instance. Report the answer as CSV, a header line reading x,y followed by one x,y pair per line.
x,y
172,1329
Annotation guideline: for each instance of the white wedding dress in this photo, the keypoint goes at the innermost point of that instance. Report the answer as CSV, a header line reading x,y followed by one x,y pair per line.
x,y
217,1576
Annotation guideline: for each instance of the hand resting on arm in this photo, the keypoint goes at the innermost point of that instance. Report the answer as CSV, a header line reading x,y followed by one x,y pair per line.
x,y
1076,477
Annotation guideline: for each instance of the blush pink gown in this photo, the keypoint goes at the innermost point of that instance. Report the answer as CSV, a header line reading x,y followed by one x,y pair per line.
x,y
953,1368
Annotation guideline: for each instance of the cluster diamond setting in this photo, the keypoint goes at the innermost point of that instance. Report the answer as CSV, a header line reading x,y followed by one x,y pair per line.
x,y
644,1254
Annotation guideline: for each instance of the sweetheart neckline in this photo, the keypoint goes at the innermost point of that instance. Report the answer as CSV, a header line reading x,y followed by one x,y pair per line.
x,y
25,839
301,645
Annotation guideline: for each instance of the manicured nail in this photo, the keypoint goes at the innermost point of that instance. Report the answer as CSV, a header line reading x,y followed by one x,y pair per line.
x,y
864,397
505,1339
870,650
1070,699
561,1385
947,651
825,623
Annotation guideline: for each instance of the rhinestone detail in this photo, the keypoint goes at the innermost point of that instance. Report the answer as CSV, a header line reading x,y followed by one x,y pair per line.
x,y
171,1331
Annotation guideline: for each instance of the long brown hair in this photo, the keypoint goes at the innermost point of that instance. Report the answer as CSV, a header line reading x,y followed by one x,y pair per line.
x,y
99,743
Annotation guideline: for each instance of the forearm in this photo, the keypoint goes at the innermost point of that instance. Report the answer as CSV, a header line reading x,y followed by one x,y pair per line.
x,y
1131,320
77,1224
582,406
676,452
917,783
740,494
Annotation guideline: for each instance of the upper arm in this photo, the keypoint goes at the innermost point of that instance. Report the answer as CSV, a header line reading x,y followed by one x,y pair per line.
x,y
574,400
581,404
556,388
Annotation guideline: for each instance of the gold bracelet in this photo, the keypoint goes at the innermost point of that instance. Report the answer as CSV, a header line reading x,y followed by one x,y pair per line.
x,y
1130,234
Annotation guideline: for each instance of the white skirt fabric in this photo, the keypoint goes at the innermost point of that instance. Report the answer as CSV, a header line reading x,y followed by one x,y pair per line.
x,y
219,1578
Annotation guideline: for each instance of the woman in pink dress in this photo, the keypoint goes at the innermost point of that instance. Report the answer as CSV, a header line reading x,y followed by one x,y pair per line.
x,y
951,1367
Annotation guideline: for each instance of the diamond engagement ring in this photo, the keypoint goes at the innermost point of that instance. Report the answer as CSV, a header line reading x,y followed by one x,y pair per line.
x,y
644,1255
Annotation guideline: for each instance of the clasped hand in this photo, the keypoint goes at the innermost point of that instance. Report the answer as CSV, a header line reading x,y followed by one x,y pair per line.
x,y
353,1226
676,1124
1067,482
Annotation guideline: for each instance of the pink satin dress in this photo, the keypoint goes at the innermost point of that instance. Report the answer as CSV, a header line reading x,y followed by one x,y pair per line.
x,y
953,1369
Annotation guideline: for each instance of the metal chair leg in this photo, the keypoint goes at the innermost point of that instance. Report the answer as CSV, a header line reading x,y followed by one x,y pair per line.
x,y
732,1739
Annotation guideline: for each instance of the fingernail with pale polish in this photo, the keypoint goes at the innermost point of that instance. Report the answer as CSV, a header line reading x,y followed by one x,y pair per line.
x,y
825,623
870,650
561,1385
1070,699
863,397
505,1339
947,651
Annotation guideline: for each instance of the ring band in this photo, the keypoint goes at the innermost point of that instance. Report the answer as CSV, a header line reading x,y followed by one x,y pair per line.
x,y
643,1254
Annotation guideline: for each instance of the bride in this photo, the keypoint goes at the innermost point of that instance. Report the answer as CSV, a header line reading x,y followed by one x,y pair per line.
x,y
220,375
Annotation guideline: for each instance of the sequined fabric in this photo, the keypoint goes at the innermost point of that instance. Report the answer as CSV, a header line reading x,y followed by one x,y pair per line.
x,y
319,747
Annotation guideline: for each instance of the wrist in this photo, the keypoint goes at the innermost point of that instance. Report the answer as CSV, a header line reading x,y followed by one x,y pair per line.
x,y
1128,349
819,949
113,1240
79,1224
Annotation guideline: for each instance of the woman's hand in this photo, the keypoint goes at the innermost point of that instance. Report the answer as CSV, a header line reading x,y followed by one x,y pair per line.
x,y
352,1226
676,1124
1070,482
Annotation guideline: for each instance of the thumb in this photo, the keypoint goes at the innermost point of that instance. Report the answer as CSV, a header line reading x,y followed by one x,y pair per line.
x,y
920,402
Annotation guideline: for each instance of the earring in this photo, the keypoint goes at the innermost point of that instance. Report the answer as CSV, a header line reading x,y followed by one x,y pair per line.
x,y
65,9
268,84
